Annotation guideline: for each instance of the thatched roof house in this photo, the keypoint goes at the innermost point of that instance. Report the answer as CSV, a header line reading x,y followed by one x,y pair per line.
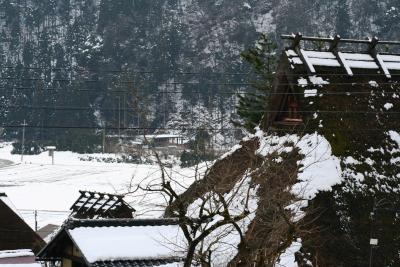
x,y
324,158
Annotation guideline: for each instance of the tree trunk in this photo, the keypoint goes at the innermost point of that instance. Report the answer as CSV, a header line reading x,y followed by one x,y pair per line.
x,y
190,255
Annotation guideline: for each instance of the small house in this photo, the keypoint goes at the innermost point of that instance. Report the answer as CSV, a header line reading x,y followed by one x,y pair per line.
x,y
15,233
116,242
47,231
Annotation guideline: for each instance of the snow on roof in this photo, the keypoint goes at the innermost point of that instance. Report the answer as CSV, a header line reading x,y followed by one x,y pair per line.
x,y
288,258
349,60
160,263
7,201
320,168
15,253
22,265
162,136
128,243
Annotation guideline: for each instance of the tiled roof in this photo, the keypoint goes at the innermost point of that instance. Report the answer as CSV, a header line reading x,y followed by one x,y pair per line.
x,y
101,205
121,242
137,263
75,223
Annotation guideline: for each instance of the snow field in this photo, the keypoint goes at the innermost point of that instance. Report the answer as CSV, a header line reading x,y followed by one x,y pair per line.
x,y
36,185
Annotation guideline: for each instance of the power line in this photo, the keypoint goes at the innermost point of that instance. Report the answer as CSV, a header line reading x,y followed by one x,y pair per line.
x,y
298,128
157,71
47,211
74,108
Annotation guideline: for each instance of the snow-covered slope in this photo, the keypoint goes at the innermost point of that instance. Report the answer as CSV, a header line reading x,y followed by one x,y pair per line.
x,y
35,184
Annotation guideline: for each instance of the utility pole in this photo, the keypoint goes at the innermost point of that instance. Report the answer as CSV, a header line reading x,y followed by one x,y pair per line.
x,y
124,107
104,138
23,140
119,117
36,223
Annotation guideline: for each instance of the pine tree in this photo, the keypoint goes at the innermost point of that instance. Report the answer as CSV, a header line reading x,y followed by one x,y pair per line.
x,y
252,105
343,23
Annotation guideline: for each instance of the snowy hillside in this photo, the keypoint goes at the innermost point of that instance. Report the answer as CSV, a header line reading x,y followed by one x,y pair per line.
x,y
166,55
52,189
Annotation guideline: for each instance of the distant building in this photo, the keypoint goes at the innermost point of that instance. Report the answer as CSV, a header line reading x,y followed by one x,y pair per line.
x,y
116,242
15,233
163,140
46,232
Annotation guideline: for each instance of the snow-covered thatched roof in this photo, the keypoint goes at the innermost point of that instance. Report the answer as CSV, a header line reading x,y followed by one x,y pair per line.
x,y
329,128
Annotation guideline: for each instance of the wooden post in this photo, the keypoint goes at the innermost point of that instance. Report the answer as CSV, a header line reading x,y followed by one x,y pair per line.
x,y
36,223
23,141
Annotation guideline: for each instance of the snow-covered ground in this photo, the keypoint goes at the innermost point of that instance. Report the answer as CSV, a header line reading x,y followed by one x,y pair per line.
x,y
51,190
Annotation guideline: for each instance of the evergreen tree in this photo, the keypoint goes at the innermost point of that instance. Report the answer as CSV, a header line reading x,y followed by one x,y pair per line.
x,y
343,23
252,105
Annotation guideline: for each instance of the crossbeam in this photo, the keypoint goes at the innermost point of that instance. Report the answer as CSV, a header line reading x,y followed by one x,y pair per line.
x,y
334,48
331,40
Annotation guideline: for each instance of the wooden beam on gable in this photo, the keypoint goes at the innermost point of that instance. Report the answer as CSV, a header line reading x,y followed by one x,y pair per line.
x,y
306,61
343,62
378,59
382,65
334,48
86,202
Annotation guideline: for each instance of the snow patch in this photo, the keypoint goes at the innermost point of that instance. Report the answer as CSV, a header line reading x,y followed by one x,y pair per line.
x,y
310,92
318,80
388,106
288,259
15,253
247,5
373,84
302,82
320,169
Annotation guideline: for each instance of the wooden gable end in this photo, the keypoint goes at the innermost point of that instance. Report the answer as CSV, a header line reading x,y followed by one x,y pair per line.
x,y
15,233
289,111
284,107
63,249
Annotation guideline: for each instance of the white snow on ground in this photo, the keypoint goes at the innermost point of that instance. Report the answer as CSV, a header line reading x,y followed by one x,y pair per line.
x,y
52,189
142,242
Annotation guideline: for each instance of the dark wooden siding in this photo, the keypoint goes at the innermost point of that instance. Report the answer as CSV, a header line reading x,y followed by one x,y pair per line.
x,y
15,233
